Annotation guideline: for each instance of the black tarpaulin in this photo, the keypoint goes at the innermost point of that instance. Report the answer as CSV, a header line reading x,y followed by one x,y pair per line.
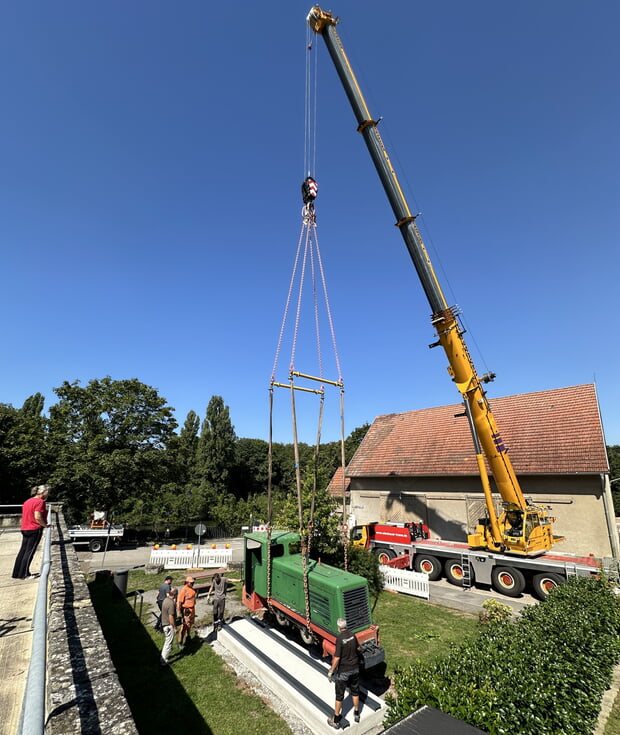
x,y
430,721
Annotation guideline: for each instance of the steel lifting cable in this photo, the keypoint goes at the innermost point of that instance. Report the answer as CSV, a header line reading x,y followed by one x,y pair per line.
x,y
307,251
269,508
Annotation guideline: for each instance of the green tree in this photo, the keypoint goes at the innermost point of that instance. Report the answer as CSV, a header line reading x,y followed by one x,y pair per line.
x,y
109,440
216,448
251,468
353,441
613,456
326,535
24,457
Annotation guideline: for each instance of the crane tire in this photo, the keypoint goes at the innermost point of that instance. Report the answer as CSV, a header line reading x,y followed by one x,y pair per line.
x,y
508,581
385,555
281,618
95,544
306,636
454,572
429,565
545,582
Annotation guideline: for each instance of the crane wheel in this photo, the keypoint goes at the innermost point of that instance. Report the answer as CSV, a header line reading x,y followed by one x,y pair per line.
x,y
544,583
306,636
429,565
508,581
385,555
454,572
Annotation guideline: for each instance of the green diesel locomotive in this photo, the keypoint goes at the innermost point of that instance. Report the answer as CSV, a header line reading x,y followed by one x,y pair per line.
x,y
333,594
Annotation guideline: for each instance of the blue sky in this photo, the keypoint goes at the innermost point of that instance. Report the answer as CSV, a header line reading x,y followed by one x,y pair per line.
x,y
150,209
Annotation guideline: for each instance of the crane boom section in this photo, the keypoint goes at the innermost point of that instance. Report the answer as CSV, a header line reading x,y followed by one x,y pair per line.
x,y
444,318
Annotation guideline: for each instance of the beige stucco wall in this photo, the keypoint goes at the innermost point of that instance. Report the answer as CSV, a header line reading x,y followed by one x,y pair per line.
x,y
451,507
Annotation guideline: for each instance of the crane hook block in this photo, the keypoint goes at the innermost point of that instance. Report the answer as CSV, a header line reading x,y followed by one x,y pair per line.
x,y
309,190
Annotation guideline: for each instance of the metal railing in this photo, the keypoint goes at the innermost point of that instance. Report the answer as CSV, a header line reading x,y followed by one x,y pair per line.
x,y
32,719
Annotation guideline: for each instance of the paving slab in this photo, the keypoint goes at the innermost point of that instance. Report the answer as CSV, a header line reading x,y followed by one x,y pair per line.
x,y
17,601
293,675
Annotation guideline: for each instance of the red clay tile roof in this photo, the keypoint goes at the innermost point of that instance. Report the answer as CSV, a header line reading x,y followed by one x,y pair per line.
x,y
550,432
335,484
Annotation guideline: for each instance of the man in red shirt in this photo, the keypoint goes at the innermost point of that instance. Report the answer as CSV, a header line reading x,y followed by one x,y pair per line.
x,y
34,520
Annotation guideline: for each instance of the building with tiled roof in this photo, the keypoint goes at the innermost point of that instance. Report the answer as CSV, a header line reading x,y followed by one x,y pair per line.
x,y
421,465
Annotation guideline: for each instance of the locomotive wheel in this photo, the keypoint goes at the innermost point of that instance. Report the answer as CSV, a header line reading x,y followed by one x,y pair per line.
x,y
281,618
384,555
508,580
544,583
95,544
306,636
454,572
429,565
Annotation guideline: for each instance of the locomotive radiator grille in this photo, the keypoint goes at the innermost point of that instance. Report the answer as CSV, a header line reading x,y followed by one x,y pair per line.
x,y
319,607
356,608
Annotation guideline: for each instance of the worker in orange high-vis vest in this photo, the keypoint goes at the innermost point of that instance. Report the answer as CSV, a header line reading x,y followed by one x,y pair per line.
x,y
186,610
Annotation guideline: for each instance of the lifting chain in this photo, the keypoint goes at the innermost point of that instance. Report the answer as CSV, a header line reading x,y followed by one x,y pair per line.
x,y
305,549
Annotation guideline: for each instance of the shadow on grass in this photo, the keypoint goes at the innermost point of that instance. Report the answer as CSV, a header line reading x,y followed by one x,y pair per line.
x,y
157,700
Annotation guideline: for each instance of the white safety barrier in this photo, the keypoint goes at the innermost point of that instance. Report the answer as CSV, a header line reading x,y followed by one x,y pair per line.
x,y
195,557
403,580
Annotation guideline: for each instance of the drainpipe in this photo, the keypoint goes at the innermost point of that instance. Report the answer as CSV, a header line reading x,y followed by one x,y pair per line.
x,y
610,515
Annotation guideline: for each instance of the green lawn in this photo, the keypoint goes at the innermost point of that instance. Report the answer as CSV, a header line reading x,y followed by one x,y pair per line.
x,y
411,628
200,691
199,694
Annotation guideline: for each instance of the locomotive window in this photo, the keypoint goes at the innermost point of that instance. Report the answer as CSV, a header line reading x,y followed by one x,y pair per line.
x,y
294,547
277,550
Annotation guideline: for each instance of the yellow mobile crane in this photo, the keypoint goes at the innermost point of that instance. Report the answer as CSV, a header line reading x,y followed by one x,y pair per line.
x,y
522,528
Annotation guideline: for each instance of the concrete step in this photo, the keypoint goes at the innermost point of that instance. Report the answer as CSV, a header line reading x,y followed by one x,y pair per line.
x,y
295,676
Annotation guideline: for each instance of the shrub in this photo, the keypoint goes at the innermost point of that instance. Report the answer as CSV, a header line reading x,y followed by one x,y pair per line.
x,y
544,674
494,611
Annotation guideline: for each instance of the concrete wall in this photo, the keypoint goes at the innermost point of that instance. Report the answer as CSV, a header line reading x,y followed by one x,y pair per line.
x,y
84,694
451,507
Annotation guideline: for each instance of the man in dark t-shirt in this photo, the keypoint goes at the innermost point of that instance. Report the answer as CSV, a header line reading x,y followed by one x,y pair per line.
x,y
164,588
346,667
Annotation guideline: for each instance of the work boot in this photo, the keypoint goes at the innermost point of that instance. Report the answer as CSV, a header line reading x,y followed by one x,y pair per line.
x,y
332,722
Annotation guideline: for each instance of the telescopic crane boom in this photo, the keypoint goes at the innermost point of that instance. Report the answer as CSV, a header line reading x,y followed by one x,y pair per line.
x,y
522,528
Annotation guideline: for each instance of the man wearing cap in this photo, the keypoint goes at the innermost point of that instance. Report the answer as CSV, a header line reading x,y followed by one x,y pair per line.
x,y
346,666
161,596
186,608
34,520
169,624
218,587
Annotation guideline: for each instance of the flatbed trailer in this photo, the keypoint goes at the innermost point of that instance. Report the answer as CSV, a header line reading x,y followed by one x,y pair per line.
x,y
96,537
507,573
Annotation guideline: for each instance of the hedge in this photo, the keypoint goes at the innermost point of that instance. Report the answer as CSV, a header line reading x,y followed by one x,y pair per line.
x,y
543,674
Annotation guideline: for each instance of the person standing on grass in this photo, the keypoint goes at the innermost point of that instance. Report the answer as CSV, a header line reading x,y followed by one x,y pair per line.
x,y
218,587
168,616
34,520
186,609
346,666
161,596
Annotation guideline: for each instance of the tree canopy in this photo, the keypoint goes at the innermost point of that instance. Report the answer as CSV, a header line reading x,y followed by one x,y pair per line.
x,y
113,445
